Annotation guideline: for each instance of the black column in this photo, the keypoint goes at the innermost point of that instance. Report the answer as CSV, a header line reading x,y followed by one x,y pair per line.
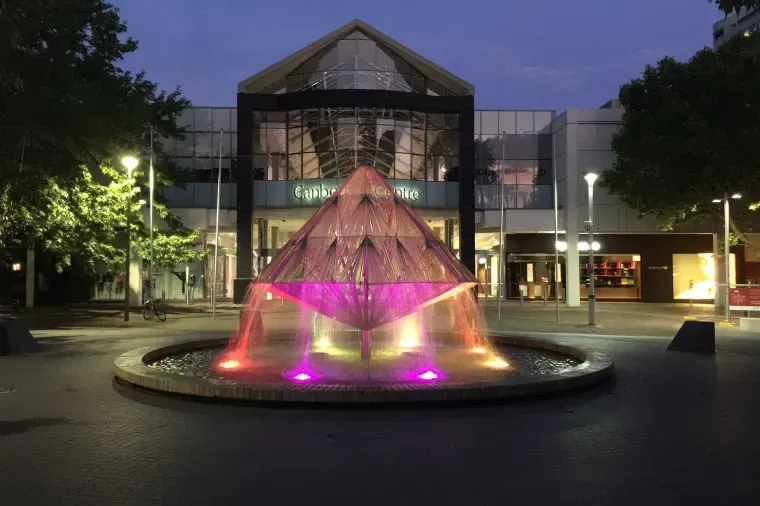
x,y
244,178
263,231
467,183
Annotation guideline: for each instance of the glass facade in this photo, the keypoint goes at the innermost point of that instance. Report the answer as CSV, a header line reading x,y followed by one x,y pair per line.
x,y
331,142
518,146
199,150
402,144
357,63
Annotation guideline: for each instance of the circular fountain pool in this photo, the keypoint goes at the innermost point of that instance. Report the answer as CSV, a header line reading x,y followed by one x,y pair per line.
x,y
346,366
513,367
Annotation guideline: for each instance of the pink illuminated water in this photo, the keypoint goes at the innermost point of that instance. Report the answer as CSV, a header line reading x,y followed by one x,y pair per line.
x,y
367,262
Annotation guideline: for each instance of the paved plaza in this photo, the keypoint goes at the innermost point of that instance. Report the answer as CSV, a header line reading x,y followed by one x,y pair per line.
x,y
671,429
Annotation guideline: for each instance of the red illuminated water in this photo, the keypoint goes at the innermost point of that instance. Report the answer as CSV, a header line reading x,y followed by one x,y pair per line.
x,y
364,289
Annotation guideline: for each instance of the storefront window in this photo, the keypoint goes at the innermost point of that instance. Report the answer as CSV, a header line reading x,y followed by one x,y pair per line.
x,y
615,277
534,276
694,275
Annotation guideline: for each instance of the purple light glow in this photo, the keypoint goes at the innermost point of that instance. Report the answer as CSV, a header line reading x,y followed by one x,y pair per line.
x,y
302,377
384,302
428,376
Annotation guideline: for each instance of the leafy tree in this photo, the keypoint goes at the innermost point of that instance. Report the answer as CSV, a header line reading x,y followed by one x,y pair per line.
x,y
729,6
66,104
88,221
688,136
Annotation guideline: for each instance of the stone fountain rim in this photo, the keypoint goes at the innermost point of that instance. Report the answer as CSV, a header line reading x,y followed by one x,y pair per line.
x,y
132,368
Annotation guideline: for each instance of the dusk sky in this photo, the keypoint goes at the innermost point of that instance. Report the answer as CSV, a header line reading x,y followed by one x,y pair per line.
x,y
532,54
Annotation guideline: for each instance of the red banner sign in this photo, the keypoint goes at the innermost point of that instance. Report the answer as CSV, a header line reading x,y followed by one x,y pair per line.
x,y
744,298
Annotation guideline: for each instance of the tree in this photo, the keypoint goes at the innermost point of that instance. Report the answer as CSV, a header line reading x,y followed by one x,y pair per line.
x,y
66,104
88,221
689,135
729,6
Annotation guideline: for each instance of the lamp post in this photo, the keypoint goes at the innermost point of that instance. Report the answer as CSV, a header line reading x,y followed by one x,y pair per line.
x,y
501,230
129,162
216,240
591,178
726,247
556,227
152,185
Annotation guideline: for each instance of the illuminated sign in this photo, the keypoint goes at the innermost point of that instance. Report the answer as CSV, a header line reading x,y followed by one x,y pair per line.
x,y
321,192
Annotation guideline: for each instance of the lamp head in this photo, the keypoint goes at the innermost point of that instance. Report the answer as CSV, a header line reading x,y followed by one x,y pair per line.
x,y
591,178
130,162
717,201
736,196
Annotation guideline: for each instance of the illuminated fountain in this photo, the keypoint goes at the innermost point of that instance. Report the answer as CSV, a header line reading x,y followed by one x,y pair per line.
x,y
363,304
378,296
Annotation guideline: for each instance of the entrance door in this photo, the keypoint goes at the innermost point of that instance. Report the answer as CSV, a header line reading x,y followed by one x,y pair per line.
x,y
534,276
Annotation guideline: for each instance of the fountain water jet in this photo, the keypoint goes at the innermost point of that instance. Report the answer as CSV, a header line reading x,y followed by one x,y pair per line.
x,y
365,260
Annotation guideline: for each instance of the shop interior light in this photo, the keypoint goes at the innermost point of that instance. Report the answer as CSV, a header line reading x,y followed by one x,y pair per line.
x,y
561,246
482,261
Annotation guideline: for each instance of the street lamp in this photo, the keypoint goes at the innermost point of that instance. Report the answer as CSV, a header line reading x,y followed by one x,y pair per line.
x,y
130,163
591,178
726,247
502,272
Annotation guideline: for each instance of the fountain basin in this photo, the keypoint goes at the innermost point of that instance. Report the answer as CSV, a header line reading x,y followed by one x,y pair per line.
x,y
181,369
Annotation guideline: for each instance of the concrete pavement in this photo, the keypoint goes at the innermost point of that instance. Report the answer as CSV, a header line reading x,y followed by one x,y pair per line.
x,y
672,429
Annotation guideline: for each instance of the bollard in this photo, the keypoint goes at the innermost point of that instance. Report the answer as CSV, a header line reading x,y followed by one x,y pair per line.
x,y
747,314
519,289
543,291
691,296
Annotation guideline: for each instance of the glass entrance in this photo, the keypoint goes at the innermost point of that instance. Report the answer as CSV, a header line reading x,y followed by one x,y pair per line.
x,y
487,272
534,276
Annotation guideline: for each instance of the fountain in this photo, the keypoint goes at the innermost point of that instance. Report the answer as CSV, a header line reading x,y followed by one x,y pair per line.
x,y
363,304
376,292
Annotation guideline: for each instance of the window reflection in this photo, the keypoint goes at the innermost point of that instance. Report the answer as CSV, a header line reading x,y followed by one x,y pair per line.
x,y
515,196
356,62
322,143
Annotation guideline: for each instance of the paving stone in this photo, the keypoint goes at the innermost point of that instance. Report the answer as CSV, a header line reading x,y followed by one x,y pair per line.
x,y
670,430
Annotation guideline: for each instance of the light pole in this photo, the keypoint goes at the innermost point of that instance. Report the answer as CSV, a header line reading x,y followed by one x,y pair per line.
x,y
152,186
129,162
726,247
591,178
216,240
556,227
501,230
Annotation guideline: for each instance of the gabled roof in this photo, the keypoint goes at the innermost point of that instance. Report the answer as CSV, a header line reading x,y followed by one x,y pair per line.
x,y
281,69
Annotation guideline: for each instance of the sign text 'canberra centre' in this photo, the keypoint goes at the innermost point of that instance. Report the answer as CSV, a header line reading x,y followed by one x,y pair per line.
x,y
302,192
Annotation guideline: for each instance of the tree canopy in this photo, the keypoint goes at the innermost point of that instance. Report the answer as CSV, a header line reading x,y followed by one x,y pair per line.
x,y
689,135
729,6
68,112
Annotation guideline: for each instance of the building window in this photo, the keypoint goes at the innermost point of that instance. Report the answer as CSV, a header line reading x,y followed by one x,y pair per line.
x,y
331,142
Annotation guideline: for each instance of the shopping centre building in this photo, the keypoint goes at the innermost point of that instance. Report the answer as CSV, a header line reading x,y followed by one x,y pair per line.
x,y
357,96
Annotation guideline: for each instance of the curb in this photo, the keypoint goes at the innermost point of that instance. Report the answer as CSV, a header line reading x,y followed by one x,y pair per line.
x,y
132,368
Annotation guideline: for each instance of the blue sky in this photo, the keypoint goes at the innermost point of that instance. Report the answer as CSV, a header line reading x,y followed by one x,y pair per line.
x,y
542,54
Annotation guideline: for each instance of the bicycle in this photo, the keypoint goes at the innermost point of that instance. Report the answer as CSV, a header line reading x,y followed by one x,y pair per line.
x,y
151,309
